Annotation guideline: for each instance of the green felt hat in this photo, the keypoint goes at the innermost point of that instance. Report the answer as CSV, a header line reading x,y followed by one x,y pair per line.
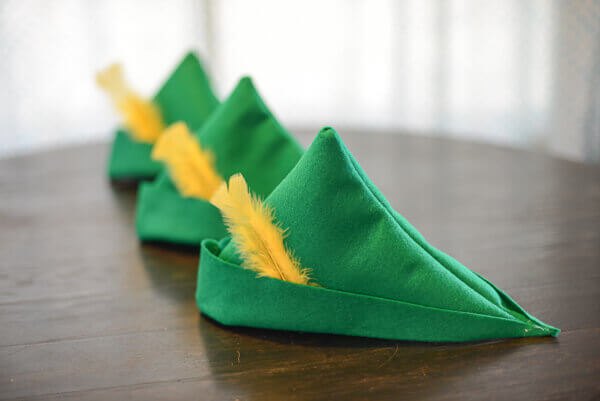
x,y
378,276
186,96
244,137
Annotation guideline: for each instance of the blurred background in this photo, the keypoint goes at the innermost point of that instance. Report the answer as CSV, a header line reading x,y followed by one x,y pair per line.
x,y
513,72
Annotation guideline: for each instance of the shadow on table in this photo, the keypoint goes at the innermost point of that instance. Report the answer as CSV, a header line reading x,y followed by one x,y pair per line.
x,y
170,268
124,196
272,364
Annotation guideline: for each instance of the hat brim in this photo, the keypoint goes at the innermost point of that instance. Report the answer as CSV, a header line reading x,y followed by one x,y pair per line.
x,y
235,296
130,159
164,215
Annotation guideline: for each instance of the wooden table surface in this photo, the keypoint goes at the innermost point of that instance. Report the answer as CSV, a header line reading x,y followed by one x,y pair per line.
x,y
88,313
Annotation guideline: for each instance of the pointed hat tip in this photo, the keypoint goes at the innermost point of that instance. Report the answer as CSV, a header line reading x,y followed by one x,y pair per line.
x,y
246,80
190,55
245,86
327,132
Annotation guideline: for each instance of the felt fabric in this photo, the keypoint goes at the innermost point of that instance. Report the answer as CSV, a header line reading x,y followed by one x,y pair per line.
x,y
380,277
186,96
163,215
244,137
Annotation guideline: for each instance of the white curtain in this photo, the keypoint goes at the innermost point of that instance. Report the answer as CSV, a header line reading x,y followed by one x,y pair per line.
x,y
51,51
522,73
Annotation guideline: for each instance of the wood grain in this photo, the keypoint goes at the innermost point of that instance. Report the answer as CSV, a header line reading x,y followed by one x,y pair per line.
x,y
88,313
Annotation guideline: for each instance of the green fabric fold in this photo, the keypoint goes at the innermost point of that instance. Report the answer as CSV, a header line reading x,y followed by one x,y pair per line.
x,y
186,96
381,277
244,137
163,215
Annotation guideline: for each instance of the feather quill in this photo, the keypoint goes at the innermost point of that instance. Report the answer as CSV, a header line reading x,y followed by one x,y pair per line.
x,y
258,238
140,116
191,168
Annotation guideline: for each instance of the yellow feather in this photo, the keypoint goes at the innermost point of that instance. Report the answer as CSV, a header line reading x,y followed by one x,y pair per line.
x,y
141,117
259,240
191,168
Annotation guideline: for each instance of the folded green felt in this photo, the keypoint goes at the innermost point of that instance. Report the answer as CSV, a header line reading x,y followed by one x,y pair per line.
x,y
379,276
244,137
185,96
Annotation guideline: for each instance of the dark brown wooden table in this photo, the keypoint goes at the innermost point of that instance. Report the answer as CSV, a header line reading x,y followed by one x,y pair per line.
x,y
87,312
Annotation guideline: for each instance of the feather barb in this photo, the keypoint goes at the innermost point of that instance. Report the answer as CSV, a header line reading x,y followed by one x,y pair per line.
x,y
258,238
191,168
141,117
